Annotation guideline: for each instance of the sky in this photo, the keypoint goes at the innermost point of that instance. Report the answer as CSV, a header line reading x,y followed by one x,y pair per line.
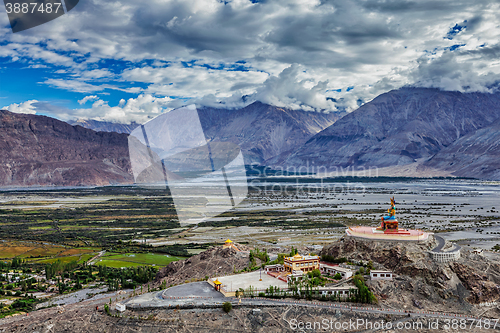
x,y
129,60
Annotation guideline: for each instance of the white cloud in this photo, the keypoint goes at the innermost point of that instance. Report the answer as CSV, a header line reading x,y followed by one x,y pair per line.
x,y
25,107
87,98
296,53
139,109
83,87
73,85
195,81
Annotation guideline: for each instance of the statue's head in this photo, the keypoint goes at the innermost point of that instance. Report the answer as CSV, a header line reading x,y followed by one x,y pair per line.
x,y
393,202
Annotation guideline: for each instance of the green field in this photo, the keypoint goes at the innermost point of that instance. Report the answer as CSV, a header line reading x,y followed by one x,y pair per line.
x,y
137,259
85,258
62,259
117,263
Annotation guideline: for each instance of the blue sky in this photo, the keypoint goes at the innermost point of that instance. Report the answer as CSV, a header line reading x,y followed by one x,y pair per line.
x,y
126,60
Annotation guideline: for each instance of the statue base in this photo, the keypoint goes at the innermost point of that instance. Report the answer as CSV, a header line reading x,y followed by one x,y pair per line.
x,y
388,234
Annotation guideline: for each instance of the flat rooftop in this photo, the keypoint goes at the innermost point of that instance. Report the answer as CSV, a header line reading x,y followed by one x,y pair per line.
x,y
342,269
235,282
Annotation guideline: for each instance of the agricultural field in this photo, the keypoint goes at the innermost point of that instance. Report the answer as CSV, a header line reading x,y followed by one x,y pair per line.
x,y
21,249
86,217
137,259
277,212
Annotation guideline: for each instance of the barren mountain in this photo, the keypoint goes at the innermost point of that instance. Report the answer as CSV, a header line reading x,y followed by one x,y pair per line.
x,y
38,150
410,131
265,133
476,154
262,131
398,128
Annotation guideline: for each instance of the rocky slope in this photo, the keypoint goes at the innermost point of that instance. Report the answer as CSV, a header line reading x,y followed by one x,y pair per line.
x,y
212,261
404,126
262,131
476,154
420,281
406,132
83,318
38,150
265,133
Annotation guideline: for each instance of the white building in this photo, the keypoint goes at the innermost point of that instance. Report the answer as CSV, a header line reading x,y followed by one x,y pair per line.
x,y
120,307
295,276
342,292
381,275
274,268
478,252
445,256
333,270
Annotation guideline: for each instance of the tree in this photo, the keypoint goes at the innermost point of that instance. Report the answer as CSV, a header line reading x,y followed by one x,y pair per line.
x,y
338,276
227,307
363,295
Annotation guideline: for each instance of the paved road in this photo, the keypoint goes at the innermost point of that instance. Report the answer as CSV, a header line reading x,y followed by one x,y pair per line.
x,y
192,290
440,245
100,254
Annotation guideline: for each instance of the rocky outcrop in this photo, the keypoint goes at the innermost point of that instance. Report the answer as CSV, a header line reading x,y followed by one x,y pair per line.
x,y
212,262
418,275
481,288
38,150
401,258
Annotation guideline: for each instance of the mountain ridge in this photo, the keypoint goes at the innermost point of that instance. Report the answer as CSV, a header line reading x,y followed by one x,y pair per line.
x,y
411,132
400,127
40,150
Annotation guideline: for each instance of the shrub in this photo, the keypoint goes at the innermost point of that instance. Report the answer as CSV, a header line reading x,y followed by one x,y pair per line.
x,y
316,273
227,307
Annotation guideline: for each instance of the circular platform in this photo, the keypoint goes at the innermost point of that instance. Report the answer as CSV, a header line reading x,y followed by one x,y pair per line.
x,y
399,235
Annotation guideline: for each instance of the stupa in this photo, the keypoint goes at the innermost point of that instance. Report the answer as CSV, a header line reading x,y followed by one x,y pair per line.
x,y
388,229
